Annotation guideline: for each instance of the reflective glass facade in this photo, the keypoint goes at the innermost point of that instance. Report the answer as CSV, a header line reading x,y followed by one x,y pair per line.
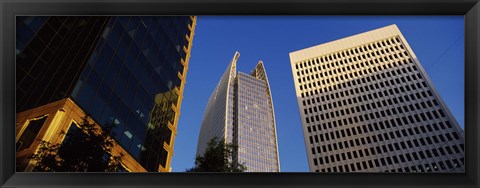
x,y
240,111
132,77
49,123
51,53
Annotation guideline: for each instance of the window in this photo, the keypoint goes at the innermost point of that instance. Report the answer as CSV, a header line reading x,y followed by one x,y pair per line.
x,y
30,132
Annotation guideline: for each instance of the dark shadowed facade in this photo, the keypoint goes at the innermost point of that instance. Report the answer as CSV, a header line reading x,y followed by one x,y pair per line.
x,y
123,71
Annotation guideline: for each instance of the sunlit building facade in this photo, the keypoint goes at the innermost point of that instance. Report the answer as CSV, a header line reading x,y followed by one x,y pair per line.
x,y
367,105
240,111
126,71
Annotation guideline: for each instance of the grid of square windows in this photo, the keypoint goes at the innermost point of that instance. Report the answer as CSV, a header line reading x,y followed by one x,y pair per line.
x,y
369,108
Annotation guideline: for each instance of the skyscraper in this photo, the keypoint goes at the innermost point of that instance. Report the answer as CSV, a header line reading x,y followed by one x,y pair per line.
x,y
124,71
367,105
240,111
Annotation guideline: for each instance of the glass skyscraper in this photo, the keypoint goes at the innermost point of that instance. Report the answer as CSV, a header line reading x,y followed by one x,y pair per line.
x,y
240,111
125,71
367,105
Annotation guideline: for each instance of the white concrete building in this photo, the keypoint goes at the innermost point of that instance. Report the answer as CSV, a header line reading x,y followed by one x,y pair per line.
x,y
367,105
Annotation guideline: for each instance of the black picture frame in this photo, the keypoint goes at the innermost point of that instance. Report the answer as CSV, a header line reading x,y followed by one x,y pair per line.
x,y
10,8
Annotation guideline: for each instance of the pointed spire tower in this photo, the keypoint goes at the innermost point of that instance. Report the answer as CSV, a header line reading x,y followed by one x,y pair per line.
x,y
240,111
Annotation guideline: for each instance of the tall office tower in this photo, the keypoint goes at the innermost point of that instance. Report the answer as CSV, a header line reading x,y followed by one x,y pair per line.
x,y
367,105
240,111
128,72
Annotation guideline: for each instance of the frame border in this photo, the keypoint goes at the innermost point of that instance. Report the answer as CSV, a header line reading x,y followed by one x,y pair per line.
x,y
10,8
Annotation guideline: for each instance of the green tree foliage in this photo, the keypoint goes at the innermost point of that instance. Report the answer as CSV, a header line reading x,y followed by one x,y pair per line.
x,y
218,157
84,149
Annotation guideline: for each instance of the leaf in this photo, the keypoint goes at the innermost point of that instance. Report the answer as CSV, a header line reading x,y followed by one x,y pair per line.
x,y
87,149
218,157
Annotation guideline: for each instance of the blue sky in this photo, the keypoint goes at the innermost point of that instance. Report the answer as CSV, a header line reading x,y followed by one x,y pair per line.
x,y
437,41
